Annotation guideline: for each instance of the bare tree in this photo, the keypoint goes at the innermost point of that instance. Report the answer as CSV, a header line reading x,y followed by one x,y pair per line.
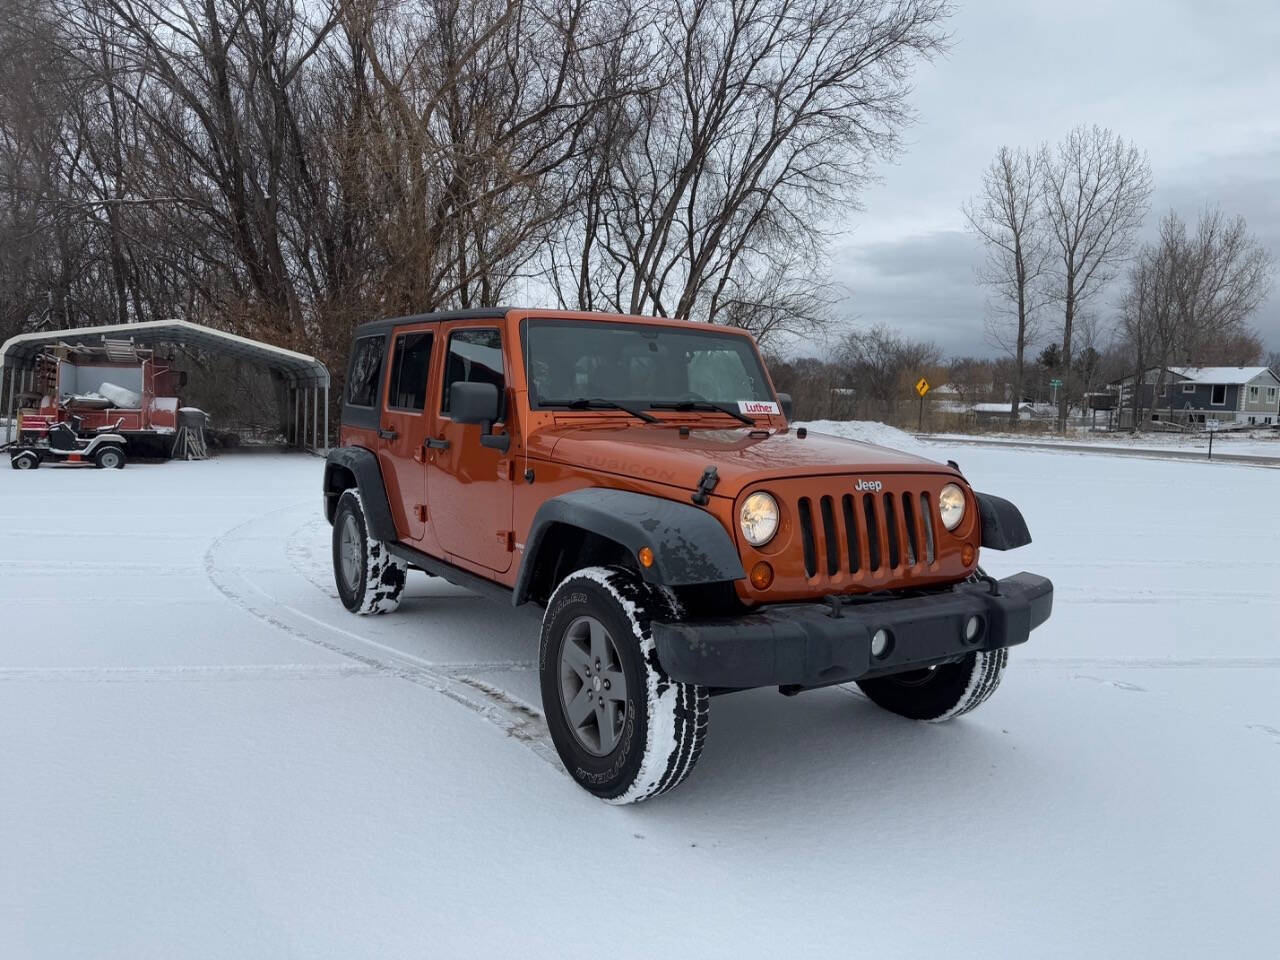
x,y
1221,275
286,169
1096,189
883,365
761,117
1190,295
1008,218
1137,323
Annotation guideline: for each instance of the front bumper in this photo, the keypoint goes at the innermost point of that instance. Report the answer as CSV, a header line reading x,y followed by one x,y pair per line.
x,y
814,645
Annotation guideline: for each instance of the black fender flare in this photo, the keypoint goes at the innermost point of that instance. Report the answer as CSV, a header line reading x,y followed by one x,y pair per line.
x,y
1002,525
690,546
362,464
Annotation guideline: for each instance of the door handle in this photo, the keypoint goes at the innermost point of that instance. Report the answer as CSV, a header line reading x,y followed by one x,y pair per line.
x,y
388,434
435,444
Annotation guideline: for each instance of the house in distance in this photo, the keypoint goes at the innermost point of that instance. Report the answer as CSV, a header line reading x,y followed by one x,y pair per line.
x,y
1234,396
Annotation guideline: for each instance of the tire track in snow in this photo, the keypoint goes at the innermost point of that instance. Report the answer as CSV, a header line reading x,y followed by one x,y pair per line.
x,y
518,720
1143,663
201,674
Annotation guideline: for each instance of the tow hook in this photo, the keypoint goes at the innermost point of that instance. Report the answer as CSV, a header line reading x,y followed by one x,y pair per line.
x,y
708,483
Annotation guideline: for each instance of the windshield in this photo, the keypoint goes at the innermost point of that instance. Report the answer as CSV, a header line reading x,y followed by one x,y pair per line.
x,y
640,365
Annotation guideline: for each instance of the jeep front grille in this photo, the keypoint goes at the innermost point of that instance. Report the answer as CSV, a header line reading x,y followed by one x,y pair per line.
x,y
851,533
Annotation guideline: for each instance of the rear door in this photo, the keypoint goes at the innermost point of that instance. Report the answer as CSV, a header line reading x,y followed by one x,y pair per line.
x,y
471,489
403,429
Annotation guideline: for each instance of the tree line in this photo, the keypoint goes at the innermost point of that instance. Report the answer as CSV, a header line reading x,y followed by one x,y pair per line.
x,y
286,170
1059,223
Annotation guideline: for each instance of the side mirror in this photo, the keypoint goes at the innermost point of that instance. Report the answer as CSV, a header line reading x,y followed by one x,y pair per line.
x,y
473,403
479,403
788,408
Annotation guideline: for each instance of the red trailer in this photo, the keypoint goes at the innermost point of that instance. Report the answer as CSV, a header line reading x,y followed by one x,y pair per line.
x,y
116,384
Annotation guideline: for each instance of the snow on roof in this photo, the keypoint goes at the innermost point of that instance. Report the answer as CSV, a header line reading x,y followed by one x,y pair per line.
x,y
999,407
1234,375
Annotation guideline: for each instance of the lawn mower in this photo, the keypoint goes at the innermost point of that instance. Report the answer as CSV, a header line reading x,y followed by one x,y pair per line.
x,y
41,441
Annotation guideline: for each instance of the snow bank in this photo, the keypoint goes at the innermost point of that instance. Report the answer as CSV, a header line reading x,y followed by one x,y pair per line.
x,y
869,431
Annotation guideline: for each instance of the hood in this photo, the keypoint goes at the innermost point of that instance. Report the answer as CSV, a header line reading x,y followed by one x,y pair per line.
x,y
740,456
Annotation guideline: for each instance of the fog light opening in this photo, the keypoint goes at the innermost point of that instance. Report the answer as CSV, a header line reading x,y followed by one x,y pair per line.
x,y
972,629
881,644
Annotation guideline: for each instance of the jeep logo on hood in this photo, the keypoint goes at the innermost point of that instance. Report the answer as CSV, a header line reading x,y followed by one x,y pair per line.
x,y
870,486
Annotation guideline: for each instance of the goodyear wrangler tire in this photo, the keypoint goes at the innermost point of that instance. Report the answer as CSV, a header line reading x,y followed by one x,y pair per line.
x,y
942,692
369,579
624,730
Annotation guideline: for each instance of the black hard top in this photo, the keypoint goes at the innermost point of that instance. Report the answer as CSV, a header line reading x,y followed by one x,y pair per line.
x,y
386,324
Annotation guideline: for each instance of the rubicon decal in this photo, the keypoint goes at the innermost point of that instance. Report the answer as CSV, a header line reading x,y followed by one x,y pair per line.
x,y
869,486
759,407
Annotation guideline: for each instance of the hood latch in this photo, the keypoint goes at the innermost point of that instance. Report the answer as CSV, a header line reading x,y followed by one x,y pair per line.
x,y
708,483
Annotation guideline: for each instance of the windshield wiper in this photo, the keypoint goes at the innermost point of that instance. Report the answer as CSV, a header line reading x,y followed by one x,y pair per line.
x,y
703,405
598,403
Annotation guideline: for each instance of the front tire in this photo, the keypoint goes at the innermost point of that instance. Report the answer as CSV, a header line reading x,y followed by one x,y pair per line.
x,y
940,693
624,730
369,579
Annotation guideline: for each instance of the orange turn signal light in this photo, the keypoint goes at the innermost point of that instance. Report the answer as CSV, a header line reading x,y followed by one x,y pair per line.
x,y
966,554
646,556
761,576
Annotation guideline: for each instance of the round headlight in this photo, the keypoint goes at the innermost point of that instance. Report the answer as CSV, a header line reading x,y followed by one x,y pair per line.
x,y
758,518
951,506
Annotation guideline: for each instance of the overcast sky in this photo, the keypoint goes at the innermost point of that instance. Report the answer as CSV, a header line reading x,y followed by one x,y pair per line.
x,y
1196,85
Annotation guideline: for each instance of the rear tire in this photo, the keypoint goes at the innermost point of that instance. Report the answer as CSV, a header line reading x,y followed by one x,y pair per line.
x,y
369,579
109,458
625,731
939,693
26,460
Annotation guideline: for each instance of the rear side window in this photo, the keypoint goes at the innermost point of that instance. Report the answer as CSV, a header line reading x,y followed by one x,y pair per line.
x,y
475,356
409,365
366,371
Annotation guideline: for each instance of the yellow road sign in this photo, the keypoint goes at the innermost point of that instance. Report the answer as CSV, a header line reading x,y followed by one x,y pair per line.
x,y
922,386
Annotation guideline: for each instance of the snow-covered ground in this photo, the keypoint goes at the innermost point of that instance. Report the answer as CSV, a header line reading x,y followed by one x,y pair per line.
x,y
204,755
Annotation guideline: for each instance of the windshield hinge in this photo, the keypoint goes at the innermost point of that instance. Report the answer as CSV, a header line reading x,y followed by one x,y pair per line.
x,y
708,483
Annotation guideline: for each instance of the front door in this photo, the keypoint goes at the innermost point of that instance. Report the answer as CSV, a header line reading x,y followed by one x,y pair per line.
x,y
471,493
403,431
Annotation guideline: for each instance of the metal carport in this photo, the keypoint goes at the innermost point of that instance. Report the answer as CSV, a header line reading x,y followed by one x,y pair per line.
x,y
306,378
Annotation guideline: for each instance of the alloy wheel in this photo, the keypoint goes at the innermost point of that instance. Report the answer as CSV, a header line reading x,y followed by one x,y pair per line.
x,y
352,551
593,687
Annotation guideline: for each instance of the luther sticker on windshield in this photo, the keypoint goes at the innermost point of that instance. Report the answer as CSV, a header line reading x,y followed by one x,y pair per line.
x,y
759,408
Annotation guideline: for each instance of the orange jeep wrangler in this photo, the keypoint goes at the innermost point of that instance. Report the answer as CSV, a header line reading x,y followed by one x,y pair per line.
x,y
639,480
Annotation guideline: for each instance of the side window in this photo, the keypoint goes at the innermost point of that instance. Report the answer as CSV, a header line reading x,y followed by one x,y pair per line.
x,y
410,362
365,372
475,356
